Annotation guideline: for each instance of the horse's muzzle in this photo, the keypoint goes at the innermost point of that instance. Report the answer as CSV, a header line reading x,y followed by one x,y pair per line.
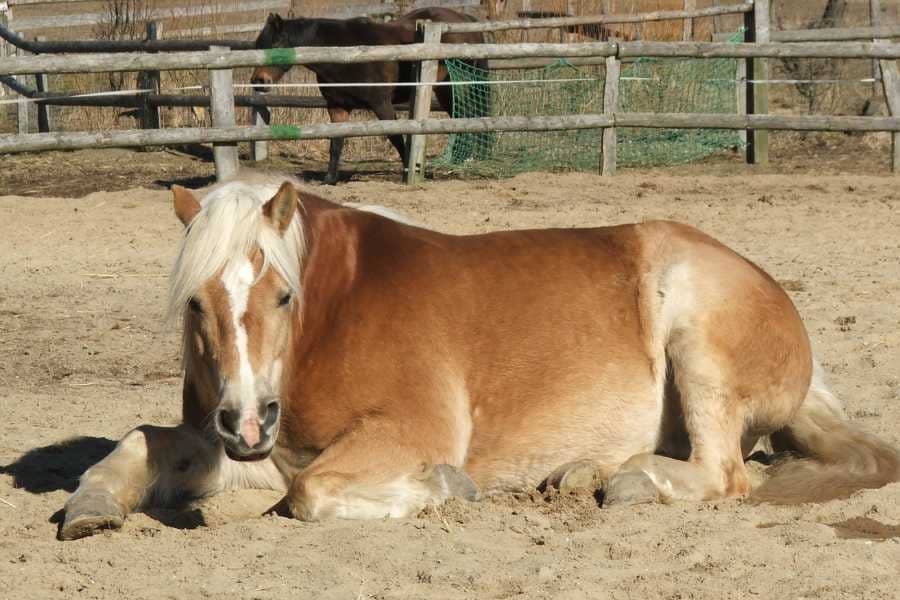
x,y
263,78
249,437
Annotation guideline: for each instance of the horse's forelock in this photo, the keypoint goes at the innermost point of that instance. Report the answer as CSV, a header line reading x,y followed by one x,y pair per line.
x,y
229,226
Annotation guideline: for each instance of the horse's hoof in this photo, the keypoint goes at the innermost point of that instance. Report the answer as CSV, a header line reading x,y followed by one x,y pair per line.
x,y
628,489
577,475
89,513
448,481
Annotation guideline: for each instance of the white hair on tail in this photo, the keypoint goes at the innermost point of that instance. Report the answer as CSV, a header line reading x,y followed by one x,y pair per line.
x,y
229,226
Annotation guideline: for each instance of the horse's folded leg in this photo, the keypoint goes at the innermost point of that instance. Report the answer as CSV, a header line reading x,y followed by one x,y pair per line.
x,y
89,512
149,462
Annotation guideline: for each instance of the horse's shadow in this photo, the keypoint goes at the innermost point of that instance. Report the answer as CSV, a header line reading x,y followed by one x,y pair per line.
x,y
57,466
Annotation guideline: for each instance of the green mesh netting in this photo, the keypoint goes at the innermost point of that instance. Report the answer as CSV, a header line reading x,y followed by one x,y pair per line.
x,y
647,85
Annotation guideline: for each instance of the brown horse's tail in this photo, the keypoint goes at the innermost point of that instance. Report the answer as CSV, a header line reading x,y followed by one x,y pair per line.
x,y
838,459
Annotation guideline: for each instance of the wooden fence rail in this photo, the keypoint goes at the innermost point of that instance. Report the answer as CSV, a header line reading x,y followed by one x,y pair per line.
x,y
101,63
554,22
843,34
163,137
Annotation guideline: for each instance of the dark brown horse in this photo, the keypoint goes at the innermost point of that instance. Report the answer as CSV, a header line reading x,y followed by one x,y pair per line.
x,y
290,33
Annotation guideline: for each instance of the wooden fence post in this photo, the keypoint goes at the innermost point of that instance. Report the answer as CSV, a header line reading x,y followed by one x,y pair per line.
x,y
610,107
261,117
222,104
150,80
875,21
890,80
717,20
22,105
421,107
5,47
756,24
42,84
740,92
688,33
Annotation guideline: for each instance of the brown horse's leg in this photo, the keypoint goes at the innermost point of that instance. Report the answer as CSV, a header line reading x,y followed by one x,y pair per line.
x,y
337,114
444,93
370,474
158,463
384,110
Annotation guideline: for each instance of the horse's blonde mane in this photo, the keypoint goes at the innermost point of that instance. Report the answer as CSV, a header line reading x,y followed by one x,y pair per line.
x,y
229,226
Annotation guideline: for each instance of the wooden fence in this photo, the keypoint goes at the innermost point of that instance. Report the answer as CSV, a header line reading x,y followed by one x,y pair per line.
x,y
224,135
229,16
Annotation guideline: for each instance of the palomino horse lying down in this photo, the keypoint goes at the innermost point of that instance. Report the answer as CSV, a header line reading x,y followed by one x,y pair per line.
x,y
367,367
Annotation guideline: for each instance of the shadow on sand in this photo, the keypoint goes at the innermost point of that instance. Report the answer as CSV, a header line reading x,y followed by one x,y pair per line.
x,y
57,466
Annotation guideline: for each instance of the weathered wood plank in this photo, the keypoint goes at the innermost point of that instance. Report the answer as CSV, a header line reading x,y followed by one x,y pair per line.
x,y
688,31
254,100
222,103
206,9
875,21
769,122
740,93
757,50
661,15
759,154
259,150
108,62
890,80
610,107
415,166
164,137
837,34
22,106
133,61
150,80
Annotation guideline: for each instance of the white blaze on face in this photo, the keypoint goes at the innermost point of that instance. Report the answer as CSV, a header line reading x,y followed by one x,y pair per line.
x,y
237,278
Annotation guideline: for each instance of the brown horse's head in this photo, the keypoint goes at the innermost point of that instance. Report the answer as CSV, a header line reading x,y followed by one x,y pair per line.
x,y
236,281
280,33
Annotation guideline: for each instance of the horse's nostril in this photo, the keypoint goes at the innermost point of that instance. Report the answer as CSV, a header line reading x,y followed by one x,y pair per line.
x,y
272,412
228,422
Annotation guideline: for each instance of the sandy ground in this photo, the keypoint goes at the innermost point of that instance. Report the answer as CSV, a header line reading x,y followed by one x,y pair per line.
x,y
85,356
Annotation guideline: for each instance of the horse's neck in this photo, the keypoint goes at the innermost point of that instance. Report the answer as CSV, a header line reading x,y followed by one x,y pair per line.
x,y
330,264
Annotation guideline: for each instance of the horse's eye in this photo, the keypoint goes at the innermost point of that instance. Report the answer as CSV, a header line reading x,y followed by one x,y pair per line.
x,y
284,299
195,307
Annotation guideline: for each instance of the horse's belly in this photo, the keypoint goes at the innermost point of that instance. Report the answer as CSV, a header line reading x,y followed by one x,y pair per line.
x,y
519,447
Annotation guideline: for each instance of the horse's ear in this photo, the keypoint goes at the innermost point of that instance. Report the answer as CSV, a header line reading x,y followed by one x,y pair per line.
x,y
274,20
280,209
186,205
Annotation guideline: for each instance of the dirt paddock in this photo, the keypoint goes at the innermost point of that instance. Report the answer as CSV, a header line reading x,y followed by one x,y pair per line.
x,y
85,356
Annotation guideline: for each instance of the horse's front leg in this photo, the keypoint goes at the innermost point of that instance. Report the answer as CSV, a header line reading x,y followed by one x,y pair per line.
x,y
384,110
337,114
149,465
376,471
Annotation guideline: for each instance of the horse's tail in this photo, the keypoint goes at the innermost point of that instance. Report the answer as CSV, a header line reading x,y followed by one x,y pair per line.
x,y
838,459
